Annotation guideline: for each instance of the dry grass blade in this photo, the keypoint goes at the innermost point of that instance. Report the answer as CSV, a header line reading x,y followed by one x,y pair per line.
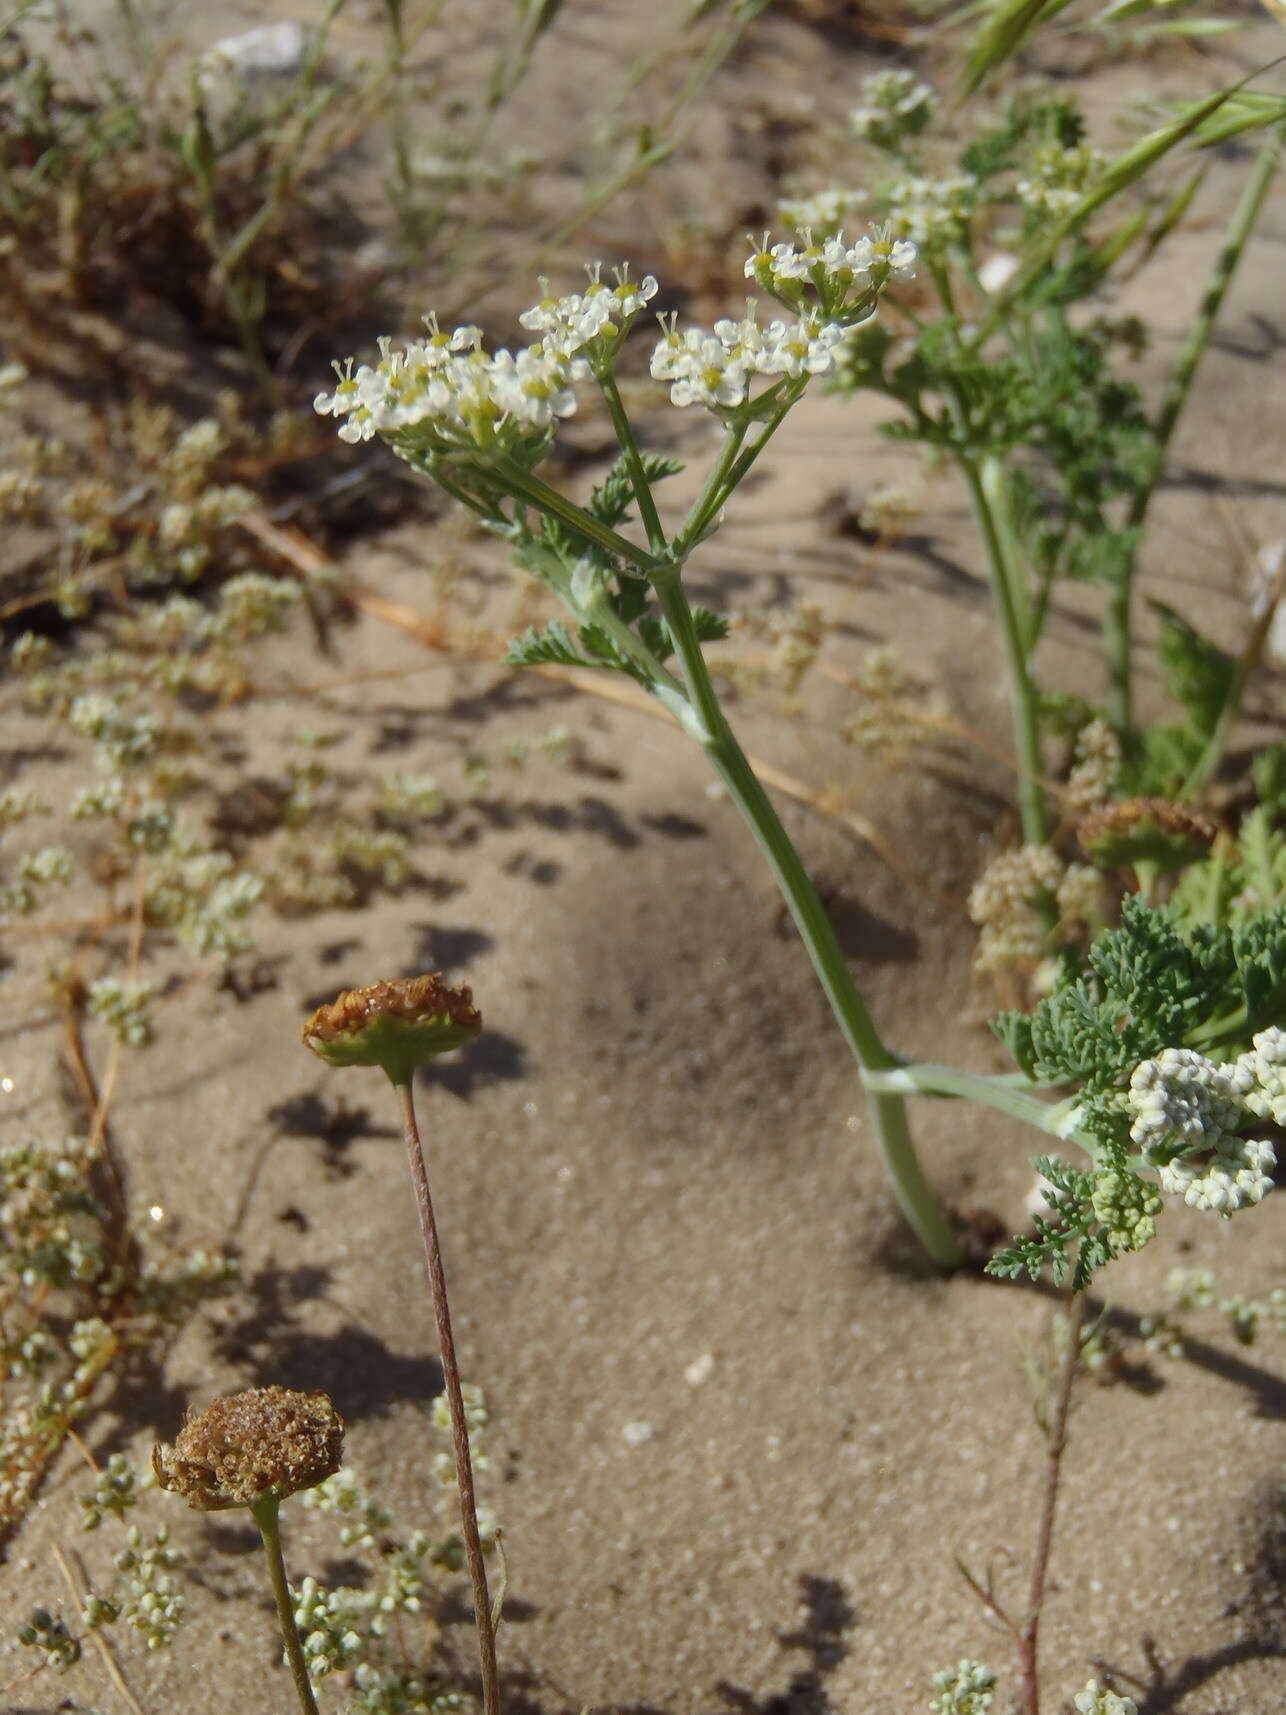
x,y
78,1585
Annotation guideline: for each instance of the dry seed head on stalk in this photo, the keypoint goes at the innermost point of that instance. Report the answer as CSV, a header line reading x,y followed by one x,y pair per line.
x,y
396,1025
245,1446
1145,830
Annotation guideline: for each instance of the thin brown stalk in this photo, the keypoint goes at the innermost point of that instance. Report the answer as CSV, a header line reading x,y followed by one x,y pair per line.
x,y
455,1403
1055,1443
79,1587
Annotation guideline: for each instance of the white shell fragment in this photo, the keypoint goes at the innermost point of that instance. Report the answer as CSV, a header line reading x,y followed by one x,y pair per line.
x,y
271,50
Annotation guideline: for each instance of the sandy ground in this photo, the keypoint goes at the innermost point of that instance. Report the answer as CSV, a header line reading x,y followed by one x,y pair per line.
x,y
655,1158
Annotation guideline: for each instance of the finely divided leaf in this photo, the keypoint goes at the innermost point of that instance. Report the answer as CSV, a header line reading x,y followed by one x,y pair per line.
x,y
550,645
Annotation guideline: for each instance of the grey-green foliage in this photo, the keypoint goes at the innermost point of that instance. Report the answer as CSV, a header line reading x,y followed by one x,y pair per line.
x,y
558,555
1244,877
1154,984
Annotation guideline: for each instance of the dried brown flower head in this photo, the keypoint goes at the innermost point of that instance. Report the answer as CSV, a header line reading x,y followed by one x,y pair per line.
x,y
1145,830
397,1025
262,1441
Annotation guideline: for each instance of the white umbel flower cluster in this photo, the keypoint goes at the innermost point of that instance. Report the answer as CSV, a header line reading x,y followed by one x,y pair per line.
x,y
601,312
447,384
894,105
843,275
1057,178
823,213
1186,1111
933,212
829,284
716,369
454,393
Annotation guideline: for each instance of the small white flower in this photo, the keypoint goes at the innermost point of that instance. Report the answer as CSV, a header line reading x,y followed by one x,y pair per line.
x,y
825,211
997,271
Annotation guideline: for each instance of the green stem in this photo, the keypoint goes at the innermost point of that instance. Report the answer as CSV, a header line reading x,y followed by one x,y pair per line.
x,y
713,490
912,1191
539,494
1055,1119
633,460
994,479
265,1511
731,468
1022,695
1240,227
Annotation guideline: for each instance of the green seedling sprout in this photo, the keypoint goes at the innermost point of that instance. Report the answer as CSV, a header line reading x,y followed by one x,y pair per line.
x,y
252,1449
397,1026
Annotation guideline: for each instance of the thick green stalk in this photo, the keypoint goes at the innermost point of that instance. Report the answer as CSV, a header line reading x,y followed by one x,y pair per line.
x,y
1022,693
1117,620
915,1197
265,1516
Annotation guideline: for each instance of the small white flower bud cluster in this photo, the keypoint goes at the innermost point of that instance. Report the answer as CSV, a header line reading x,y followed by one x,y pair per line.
x,y
127,740
1266,1064
189,459
124,1007
1097,1700
1096,770
115,1491
331,1625
1057,178
382,1691
17,804
252,604
893,105
1185,1113
342,1497
966,1689
410,795
1004,901
49,1634
933,212
195,891
823,213
91,802
31,651
153,1606
51,866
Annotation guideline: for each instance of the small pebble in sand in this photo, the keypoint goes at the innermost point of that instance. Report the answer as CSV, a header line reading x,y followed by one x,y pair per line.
x,y
699,1370
636,1434
273,50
